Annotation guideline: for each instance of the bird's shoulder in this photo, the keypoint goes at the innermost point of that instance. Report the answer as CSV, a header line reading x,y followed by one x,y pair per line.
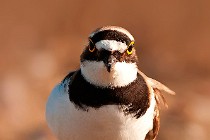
x,y
63,87
158,89
69,77
152,134
59,96
64,84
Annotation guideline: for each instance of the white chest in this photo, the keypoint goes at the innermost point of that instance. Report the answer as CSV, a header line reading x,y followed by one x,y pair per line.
x,y
105,123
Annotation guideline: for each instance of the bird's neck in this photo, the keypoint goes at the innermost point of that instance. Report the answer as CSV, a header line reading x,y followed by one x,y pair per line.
x,y
121,74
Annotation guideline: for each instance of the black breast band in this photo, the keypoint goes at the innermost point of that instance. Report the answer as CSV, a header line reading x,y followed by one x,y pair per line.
x,y
134,97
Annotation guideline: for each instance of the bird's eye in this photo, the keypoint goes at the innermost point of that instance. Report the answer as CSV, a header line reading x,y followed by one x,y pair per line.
x,y
130,48
92,46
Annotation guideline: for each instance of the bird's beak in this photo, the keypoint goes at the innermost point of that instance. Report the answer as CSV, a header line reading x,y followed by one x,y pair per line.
x,y
109,61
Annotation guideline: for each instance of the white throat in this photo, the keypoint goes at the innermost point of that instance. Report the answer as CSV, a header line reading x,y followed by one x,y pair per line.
x,y
121,73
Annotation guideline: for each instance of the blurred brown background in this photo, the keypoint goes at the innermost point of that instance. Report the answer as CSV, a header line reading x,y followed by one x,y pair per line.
x,y
41,41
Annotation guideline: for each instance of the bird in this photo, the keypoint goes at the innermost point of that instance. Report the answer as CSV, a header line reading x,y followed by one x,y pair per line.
x,y
107,97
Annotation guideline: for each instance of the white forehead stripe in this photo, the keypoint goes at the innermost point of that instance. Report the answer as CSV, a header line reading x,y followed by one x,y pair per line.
x,y
114,28
111,45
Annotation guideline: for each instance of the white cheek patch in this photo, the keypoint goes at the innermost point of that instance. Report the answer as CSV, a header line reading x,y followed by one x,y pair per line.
x,y
111,45
121,73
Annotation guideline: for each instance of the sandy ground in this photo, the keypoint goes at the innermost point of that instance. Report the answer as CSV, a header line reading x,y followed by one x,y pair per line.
x,y
41,41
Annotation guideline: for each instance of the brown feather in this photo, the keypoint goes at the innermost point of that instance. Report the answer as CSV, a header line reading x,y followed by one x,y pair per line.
x,y
158,89
160,99
152,134
156,85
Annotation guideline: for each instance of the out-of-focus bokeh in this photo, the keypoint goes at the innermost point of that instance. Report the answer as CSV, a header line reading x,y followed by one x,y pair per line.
x,y
41,41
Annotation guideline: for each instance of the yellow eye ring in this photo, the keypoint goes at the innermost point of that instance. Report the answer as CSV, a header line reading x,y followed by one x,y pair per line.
x,y
92,49
130,48
91,46
129,52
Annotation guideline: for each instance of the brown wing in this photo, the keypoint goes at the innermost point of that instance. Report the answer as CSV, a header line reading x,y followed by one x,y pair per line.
x,y
152,134
157,86
159,89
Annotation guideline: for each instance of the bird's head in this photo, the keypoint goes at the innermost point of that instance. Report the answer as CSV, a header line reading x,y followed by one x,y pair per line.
x,y
109,59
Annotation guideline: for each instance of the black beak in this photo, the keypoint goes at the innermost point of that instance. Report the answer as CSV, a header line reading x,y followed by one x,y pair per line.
x,y
109,61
